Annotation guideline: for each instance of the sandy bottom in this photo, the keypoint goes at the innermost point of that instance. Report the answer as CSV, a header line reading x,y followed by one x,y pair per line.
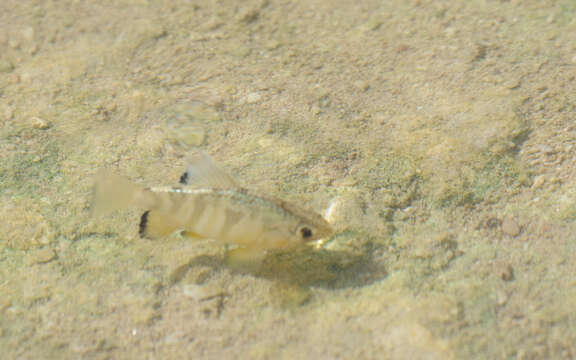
x,y
441,135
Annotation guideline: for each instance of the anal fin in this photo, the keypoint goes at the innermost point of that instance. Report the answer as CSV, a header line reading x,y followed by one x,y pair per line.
x,y
155,225
191,235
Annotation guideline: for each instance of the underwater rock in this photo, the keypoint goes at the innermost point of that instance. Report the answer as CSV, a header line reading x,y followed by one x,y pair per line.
x,y
42,256
39,123
510,227
202,292
505,272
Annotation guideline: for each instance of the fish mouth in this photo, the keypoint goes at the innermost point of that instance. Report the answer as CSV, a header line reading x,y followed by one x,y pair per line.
x,y
324,233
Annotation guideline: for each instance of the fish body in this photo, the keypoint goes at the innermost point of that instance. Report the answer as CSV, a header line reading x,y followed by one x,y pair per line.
x,y
209,204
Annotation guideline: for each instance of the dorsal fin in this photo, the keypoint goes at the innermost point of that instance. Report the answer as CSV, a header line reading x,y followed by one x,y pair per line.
x,y
201,172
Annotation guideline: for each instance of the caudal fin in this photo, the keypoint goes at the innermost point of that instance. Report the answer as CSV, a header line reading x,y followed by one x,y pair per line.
x,y
112,192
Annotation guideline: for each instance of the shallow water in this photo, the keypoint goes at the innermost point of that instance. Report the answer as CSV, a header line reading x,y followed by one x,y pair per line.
x,y
440,134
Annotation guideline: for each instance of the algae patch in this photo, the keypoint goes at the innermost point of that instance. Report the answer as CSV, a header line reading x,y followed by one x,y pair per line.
x,y
480,183
394,175
28,171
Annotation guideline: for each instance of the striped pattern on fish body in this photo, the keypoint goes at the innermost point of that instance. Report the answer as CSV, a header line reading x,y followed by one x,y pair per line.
x,y
234,216
210,205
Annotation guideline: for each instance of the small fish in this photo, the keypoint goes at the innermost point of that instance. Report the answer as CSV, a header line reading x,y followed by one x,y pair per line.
x,y
209,204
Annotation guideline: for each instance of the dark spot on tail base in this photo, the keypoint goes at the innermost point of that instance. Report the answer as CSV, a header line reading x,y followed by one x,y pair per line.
x,y
143,223
184,178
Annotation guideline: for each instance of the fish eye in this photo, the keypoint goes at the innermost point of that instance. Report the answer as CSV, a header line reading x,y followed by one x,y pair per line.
x,y
305,232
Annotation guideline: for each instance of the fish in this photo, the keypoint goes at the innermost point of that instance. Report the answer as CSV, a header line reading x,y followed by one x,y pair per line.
x,y
209,204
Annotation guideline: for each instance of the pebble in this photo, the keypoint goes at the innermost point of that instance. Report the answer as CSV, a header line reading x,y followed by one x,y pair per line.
x,y
361,85
510,227
249,16
177,337
347,208
145,316
38,123
493,223
538,182
201,292
253,98
546,149
43,256
501,298
272,45
506,272
266,142
372,24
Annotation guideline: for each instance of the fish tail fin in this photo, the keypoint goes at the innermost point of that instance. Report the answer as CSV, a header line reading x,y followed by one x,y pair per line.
x,y
112,192
155,225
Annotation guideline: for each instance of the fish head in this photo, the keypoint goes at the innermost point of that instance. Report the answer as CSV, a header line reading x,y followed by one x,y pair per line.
x,y
304,226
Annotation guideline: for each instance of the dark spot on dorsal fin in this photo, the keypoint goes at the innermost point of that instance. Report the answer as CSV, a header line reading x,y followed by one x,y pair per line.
x,y
143,224
184,178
